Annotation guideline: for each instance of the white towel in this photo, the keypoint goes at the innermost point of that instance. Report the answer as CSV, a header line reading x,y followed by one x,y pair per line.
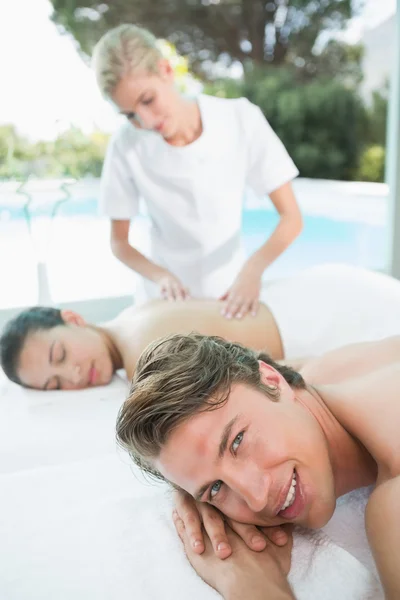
x,y
95,530
78,522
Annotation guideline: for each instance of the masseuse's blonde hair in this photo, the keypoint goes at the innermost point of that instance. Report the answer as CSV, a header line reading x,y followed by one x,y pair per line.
x,y
122,51
180,376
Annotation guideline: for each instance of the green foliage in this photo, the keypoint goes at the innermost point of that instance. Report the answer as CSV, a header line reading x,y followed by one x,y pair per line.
x,y
321,123
259,31
372,165
341,61
15,151
72,154
377,114
78,154
224,88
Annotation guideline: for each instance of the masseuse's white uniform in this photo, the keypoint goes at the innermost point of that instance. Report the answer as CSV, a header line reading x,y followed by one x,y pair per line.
x,y
194,194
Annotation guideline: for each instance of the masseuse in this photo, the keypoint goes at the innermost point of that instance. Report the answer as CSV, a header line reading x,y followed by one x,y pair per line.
x,y
190,160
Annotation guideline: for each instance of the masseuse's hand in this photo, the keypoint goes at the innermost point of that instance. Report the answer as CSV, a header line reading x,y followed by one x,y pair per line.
x,y
171,288
200,516
243,295
245,574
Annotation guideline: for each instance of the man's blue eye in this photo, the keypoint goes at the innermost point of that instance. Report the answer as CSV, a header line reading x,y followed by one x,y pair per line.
x,y
215,489
237,441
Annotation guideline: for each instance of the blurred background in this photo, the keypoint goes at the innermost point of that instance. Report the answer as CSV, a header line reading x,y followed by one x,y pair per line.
x,y
319,69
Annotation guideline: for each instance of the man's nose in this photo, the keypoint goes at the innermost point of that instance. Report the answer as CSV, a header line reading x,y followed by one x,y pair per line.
x,y
253,486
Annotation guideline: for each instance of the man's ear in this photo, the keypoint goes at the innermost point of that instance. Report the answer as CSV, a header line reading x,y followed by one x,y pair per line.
x,y
269,375
72,318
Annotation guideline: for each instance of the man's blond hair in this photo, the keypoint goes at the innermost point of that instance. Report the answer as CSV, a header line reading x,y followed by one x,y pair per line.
x,y
180,376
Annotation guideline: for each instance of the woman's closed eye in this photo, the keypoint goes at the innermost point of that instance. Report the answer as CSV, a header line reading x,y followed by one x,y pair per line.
x,y
134,117
61,354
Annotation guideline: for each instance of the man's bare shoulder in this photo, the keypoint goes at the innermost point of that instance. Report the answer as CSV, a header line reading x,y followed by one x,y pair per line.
x,y
368,406
351,361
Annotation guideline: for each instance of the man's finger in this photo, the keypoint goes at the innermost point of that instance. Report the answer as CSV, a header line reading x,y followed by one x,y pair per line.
x,y
251,536
193,528
215,528
187,510
276,535
179,526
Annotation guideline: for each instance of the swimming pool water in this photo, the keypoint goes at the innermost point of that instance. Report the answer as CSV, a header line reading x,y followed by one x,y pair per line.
x,y
81,266
323,239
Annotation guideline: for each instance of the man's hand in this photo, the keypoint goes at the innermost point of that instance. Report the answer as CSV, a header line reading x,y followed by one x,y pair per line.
x,y
243,295
171,288
245,574
196,515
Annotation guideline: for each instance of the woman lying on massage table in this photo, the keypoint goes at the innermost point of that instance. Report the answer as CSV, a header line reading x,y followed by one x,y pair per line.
x,y
322,308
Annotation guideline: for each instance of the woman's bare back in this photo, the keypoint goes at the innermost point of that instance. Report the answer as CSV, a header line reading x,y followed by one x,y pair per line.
x,y
135,328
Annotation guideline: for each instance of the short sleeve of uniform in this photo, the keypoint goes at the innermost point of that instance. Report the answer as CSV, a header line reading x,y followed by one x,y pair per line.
x,y
269,165
119,196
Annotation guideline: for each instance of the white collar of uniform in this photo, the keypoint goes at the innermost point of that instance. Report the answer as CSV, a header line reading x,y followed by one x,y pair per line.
x,y
201,142
153,144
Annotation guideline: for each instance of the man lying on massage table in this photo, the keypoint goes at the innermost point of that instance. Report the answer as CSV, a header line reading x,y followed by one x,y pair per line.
x,y
322,308
266,445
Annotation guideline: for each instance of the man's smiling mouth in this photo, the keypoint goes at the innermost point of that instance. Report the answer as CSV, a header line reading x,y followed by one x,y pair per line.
x,y
291,495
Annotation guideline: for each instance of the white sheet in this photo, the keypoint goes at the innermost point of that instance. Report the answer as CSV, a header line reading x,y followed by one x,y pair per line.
x,y
77,522
331,305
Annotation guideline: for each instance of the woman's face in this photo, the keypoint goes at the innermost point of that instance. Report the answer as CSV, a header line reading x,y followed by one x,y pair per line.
x,y
67,357
150,101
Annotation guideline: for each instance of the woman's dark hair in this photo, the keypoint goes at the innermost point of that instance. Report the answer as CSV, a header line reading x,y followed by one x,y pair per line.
x,y
15,332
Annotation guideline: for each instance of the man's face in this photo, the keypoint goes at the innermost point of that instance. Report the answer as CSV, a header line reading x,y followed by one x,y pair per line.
x,y
253,457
